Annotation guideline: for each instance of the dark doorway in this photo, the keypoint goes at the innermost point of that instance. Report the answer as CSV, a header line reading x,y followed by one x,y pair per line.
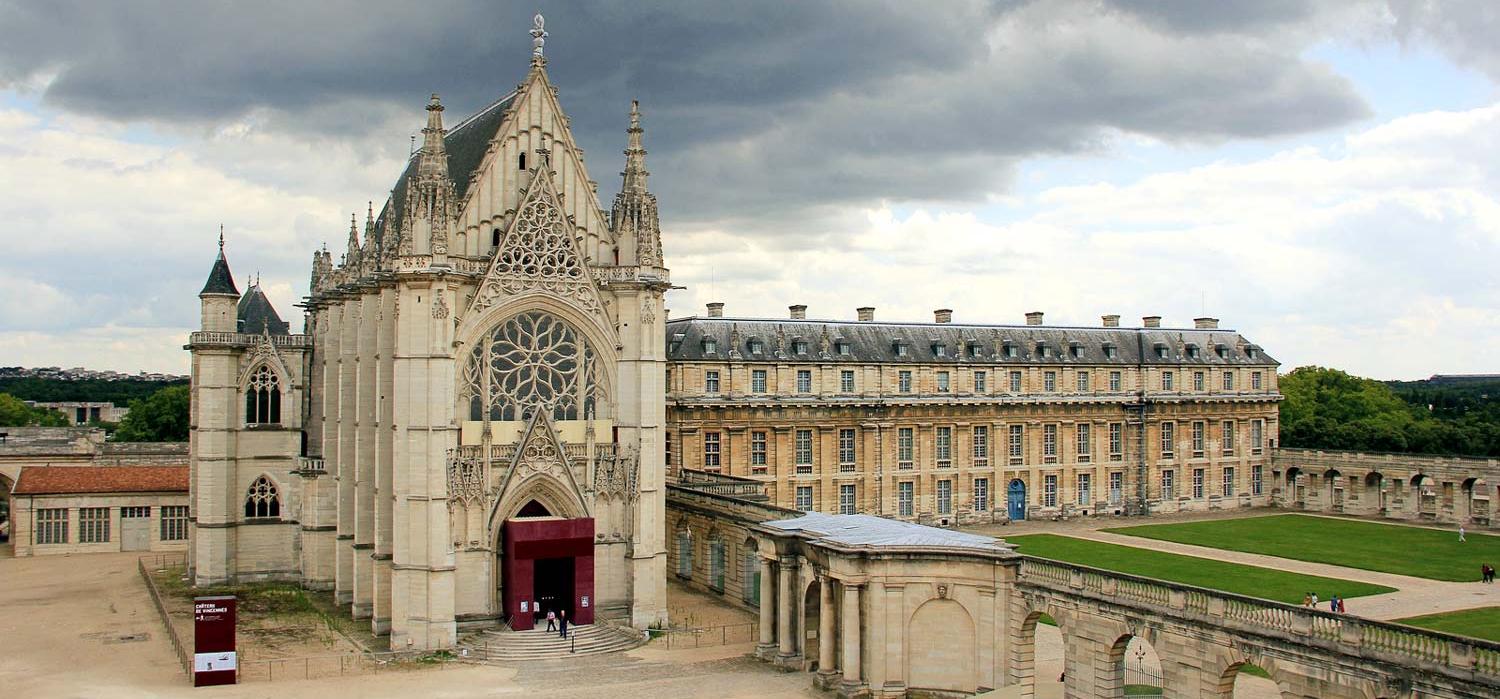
x,y
552,586
534,509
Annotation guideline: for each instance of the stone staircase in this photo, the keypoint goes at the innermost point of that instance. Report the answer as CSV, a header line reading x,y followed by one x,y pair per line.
x,y
504,645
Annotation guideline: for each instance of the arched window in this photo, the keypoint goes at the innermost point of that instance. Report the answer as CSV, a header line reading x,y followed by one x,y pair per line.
x,y
263,398
717,563
684,553
262,500
533,360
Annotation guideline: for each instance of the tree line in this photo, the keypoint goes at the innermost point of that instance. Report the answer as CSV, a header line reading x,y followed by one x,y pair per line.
x,y
1328,409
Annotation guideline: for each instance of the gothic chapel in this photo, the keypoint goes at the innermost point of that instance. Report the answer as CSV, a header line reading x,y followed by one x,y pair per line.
x,y
470,431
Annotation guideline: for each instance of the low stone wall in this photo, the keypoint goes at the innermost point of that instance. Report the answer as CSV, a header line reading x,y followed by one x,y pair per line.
x,y
1442,489
706,525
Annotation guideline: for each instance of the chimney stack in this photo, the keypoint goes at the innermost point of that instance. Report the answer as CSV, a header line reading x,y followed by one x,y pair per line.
x,y
866,313
716,309
799,312
942,315
1206,323
1151,321
1111,321
1034,318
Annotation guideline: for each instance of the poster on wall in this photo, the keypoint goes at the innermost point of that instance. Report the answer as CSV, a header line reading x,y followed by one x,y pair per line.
x,y
215,661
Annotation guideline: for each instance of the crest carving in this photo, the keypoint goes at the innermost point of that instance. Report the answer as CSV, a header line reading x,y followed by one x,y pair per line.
x,y
539,253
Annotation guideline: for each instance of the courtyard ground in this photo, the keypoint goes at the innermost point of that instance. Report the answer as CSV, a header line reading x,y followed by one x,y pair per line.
x,y
1483,622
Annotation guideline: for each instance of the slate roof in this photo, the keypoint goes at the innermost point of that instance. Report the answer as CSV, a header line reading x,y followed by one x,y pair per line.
x,y
869,531
257,314
466,145
220,281
872,341
69,480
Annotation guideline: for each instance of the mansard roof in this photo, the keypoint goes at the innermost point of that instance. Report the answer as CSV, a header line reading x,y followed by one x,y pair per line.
x,y
466,144
220,281
256,314
872,341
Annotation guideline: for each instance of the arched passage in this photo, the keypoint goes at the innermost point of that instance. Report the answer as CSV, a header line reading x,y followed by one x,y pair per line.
x,y
1293,490
811,620
940,649
1038,652
1246,679
1374,495
750,572
1133,669
1333,489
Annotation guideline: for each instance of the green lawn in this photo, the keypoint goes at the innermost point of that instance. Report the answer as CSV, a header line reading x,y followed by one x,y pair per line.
x,y
1265,583
1483,622
1424,553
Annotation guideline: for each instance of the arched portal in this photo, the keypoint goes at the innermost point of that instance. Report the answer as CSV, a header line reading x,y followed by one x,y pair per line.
x,y
1293,489
750,572
1244,678
1133,669
1015,499
811,625
940,648
1037,656
1333,488
546,564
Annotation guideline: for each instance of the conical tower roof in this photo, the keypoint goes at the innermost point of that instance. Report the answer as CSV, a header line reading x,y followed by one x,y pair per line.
x,y
220,280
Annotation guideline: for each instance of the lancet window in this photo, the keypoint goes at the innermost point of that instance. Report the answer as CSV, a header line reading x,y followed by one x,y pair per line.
x,y
533,360
263,398
262,500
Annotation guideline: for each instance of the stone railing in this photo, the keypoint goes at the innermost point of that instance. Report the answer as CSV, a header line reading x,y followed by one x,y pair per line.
x,y
208,339
505,452
1466,659
1457,468
310,464
721,484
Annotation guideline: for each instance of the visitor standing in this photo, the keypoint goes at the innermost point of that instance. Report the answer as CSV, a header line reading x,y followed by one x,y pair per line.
x,y
1342,610
1333,604
551,620
562,623
1315,600
1307,600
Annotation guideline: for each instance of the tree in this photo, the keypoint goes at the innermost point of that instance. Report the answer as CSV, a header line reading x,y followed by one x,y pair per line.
x,y
162,417
14,412
1329,409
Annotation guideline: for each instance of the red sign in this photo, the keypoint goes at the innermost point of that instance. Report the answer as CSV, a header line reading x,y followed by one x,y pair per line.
x,y
214,658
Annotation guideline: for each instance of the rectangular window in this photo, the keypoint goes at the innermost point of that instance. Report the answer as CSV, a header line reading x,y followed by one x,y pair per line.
x,y
804,381
52,526
758,451
1226,437
1015,382
804,498
1116,441
1085,442
711,381
981,495
1256,473
904,449
1049,381
1257,436
804,451
903,382
1197,484
1049,490
1168,439
1229,381
1198,381
945,497
1114,381
1228,481
1168,484
846,381
846,499
944,446
669,379
174,522
981,439
1049,444
1255,381
711,450
667,446
979,382
1116,487
1085,484
942,382
758,381
846,449
1083,382
1166,381
93,525
1017,445
1198,430
904,498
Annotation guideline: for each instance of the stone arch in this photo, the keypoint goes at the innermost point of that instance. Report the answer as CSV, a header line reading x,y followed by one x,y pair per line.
x,y
545,490
750,572
941,648
682,540
1023,653
1132,661
718,560
1230,676
812,615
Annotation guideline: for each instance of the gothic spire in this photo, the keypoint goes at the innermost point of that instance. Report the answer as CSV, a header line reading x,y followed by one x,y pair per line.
x,y
220,281
433,161
351,256
635,156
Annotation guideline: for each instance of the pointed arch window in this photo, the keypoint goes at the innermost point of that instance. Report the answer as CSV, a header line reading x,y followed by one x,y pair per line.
x,y
534,360
263,398
262,500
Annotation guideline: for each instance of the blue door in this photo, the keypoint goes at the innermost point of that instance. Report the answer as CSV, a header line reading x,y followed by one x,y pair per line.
x,y
1015,500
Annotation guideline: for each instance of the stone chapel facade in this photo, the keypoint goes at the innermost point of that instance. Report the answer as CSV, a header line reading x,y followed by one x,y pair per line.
x,y
470,430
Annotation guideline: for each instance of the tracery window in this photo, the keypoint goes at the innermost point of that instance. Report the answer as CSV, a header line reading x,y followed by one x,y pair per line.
x,y
262,499
263,398
531,360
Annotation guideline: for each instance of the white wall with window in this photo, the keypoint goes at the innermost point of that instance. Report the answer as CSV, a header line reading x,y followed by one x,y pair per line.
x,y
44,524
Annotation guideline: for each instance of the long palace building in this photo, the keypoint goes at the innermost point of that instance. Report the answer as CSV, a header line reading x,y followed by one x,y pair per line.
x,y
479,419
950,423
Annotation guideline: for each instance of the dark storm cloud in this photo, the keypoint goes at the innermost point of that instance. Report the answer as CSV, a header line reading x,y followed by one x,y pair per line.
x,y
759,115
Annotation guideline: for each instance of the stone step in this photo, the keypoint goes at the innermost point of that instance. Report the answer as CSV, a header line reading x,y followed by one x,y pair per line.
x,y
540,644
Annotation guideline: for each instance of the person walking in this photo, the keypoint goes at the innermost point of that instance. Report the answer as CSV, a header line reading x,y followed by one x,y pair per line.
x,y
1342,610
1333,604
1486,573
1461,533
562,623
1314,600
1307,600
551,620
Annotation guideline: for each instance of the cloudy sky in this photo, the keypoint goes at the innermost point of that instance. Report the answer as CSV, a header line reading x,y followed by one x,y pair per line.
x,y
1322,176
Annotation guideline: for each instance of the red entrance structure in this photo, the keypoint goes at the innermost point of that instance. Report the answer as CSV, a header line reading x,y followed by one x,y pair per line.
x,y
547,564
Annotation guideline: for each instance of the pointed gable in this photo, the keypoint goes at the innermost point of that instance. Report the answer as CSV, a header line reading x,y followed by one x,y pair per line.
x,y
257,315
540,465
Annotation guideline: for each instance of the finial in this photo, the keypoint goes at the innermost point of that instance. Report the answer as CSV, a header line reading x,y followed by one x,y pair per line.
x,y
352,222
221,239
538,35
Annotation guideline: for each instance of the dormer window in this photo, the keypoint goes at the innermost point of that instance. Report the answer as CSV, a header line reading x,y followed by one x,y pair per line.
x,y
1223,351
1076,350
1011,350
799,347
842,348
1250,352
1110,351
974,350
1161,351
900,350
1192,351
939,350
1041,350
757,347
710,345
677,339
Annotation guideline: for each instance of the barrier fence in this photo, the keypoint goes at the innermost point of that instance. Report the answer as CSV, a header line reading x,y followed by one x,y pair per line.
x,y
728,634
147,564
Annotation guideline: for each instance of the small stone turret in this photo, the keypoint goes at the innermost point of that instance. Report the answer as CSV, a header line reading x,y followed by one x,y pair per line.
x,y
634,217
219,295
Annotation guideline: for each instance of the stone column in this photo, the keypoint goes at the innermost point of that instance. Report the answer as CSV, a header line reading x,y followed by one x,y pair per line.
x,y
825,627
851,624
768,607
785,639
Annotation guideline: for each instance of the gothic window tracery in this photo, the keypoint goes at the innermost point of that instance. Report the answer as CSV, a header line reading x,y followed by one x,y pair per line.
x,y
263,397
262,499
533,360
